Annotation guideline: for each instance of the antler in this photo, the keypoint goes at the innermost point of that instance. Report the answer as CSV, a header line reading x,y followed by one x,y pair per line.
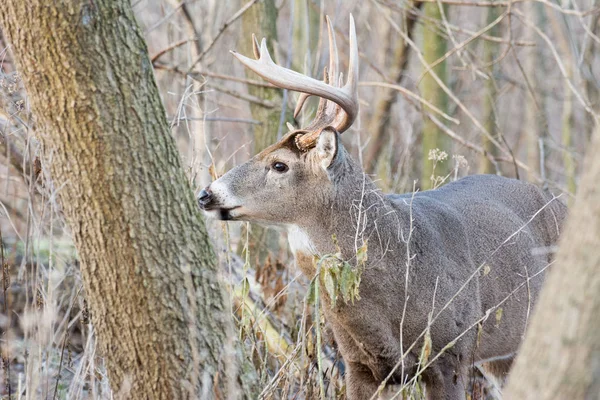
x,y
338,106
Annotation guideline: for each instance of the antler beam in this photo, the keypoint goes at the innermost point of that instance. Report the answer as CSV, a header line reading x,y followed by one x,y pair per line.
x,y
338,107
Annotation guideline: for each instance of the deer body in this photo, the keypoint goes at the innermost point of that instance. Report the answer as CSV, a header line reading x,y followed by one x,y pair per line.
x,y
481,231
461,265
457,230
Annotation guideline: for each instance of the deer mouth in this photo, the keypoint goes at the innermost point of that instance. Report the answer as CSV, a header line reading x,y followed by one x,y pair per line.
x,y
221,213
225,214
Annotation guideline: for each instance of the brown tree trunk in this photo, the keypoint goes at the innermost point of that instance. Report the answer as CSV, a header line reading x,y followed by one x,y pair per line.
x,y
560,358
158,308
378,124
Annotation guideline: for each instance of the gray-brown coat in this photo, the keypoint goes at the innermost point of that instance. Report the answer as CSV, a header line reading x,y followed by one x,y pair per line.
x,y
469,256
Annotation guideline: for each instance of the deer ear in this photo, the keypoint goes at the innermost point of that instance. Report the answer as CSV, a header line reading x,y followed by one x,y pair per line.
x,y
327,147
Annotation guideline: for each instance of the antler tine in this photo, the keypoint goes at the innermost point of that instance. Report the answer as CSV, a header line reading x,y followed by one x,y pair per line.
x,y
330,77
288,79
352,83
340,97
304,96
255,46
334,60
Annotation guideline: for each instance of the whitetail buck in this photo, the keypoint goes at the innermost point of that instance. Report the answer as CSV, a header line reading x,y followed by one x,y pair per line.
x,y
454,270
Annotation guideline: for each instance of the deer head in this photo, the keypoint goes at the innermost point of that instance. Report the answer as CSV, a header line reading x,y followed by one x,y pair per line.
x,y
288,179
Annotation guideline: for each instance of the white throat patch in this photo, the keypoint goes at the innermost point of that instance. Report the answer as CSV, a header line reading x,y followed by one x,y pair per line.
x,y
299,241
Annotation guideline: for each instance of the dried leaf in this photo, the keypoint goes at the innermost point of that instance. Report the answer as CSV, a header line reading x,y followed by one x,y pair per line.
x,y
486,269
426,350
245,288
499,313
311,297
338,251
361,255
329,283
479,332
346,282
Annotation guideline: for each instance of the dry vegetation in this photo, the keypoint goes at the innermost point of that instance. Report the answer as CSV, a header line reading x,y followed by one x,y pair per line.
x,y
519,97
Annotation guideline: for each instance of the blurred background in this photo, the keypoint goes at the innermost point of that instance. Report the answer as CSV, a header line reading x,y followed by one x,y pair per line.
x,y
447,88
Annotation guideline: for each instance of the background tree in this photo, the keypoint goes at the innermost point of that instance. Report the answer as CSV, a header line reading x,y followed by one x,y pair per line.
x,y
533,129
490,51
261,20
379,126
160,314
560,358
434,48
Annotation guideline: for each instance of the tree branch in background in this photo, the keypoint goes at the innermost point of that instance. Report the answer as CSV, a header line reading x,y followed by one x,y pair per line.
x,y
227,23
198,74
493,4
378,124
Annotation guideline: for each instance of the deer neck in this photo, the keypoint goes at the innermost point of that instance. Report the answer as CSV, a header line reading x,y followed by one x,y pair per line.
x,y
357,211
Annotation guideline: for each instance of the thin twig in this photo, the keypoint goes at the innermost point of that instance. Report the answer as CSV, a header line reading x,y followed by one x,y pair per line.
x,y
591,11
456,137
461,45
230,21
5,285
165,18
247,81
244,96
220,119
171,47
199,73
460,104
62,354
560,64
412,95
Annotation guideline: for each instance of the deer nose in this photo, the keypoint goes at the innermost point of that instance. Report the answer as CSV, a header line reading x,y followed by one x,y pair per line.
x,y
204,197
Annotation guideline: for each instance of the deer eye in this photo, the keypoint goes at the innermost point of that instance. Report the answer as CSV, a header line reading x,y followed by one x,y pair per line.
x,y
279,167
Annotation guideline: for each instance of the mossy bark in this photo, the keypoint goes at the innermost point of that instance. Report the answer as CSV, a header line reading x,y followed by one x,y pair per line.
x,y
261,20
309,48
490,51
434,47
560,358
158,308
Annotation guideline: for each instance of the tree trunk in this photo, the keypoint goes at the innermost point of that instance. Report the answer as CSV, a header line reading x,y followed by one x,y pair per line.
x,y
560,358
378,125
261,20
158,308
568,117
533,113
434,47
490,51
